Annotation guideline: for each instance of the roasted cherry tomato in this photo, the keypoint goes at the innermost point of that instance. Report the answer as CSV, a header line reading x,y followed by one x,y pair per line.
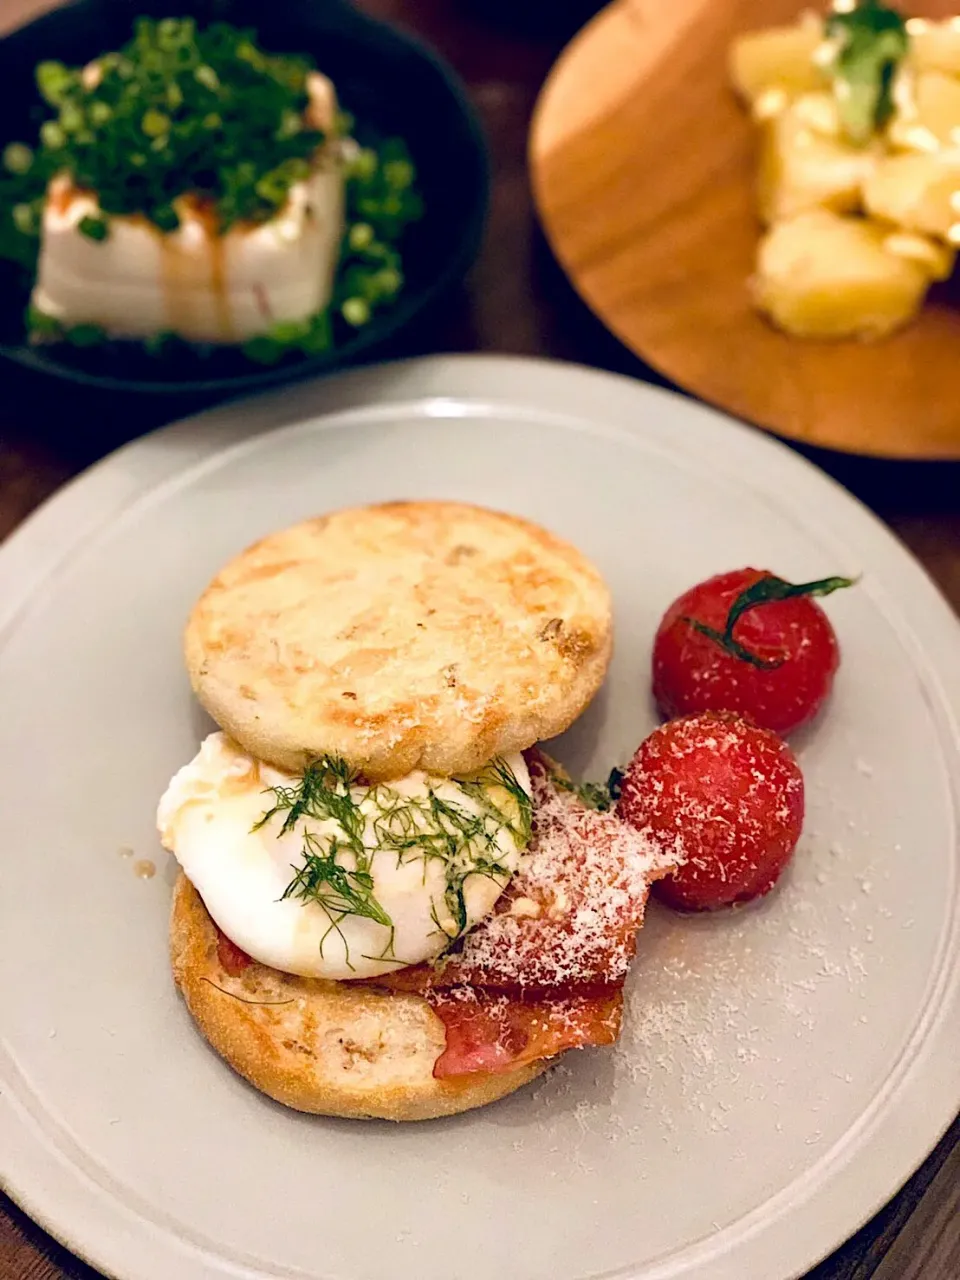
x,y
728,795
750,642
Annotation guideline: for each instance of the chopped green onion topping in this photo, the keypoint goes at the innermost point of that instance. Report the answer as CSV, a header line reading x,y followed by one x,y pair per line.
x,y
52,136
180,110
360,237
93,228
86,335
25,218
17,158
56,82
42,326
356,311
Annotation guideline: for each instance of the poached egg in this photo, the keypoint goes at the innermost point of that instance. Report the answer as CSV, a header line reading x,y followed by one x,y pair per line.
x,y
433,856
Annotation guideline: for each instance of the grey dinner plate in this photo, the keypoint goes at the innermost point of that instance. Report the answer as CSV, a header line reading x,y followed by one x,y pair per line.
x,y
783,1067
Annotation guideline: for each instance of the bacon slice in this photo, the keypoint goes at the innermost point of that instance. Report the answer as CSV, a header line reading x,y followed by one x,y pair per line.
x,y
545,972
492,1032
232,960
568,920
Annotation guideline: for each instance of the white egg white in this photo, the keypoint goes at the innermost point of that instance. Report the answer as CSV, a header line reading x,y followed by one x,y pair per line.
x,y
208,819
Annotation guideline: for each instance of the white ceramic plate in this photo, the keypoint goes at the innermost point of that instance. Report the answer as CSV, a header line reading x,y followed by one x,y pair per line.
x,y
783,1067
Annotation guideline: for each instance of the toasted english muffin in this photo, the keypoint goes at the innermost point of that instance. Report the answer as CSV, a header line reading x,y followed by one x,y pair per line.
x,y
429,635
332,1048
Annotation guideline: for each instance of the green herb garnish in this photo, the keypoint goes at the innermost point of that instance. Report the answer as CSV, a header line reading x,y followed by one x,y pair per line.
x,y
46,327
93,228
179,110
595,795
324,793
339,891
381,202
85,335
763,591
870,41
336,869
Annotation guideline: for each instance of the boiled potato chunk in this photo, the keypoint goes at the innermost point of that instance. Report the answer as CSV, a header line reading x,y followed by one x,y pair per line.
x,y
805,163
821,275
918,192
927,116
935,46
778,58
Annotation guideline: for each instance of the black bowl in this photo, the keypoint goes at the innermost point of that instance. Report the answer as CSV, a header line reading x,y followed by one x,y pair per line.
x,y
391,84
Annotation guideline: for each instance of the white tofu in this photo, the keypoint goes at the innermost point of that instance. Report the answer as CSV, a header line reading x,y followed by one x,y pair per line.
x,y
204,287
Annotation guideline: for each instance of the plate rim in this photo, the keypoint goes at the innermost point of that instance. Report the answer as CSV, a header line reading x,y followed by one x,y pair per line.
x,y
51,1189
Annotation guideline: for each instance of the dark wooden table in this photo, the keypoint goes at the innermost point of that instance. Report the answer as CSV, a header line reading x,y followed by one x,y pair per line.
x,y
515,301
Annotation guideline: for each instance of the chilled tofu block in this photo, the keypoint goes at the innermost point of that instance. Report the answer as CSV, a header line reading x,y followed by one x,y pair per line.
x,y
805,163
778,58
821,275
919,192
927,115
935,46
202,286
139,281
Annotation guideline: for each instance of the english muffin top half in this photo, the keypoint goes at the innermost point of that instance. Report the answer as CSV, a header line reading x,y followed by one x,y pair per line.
x,y
430,635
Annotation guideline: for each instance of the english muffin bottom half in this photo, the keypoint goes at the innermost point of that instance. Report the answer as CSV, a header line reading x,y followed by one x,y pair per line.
x,y
330,1048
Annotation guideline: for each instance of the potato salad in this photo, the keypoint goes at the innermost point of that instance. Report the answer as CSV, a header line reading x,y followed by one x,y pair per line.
x,y
858,182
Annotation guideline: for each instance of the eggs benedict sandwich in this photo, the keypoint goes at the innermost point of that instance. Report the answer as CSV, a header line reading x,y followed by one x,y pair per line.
x,y
391,903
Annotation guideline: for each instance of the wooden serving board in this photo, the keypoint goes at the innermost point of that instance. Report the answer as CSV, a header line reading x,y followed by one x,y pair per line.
x,y
642,164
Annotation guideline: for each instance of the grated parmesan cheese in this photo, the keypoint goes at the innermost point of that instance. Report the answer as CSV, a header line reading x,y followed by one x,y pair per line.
x,y
569,917
590,874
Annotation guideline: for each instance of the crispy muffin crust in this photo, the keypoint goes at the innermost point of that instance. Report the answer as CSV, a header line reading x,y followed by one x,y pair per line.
x,y
429,635
332,1048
